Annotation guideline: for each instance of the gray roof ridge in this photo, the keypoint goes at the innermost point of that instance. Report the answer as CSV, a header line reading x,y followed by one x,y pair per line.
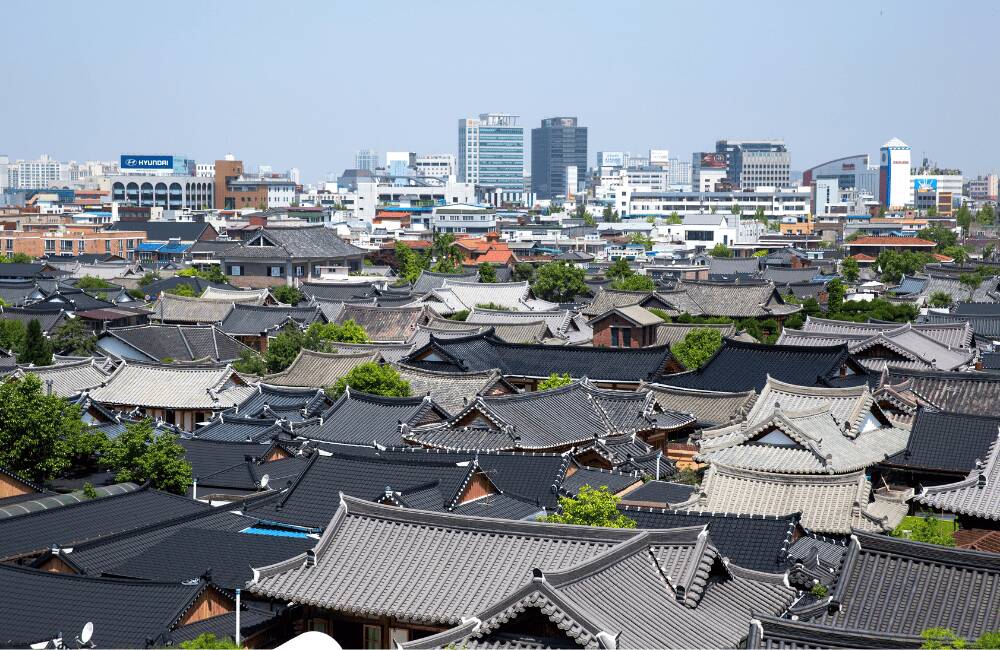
x,y
852,476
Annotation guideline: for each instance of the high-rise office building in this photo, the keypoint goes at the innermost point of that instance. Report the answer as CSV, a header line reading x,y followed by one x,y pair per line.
x,y
558,144
756,163
491,151
894,185
366,159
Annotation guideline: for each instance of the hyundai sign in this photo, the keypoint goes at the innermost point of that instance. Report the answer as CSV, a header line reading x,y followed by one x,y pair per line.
x,y
147,162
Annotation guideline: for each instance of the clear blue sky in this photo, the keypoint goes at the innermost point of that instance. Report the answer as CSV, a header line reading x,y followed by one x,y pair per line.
x,y
307,83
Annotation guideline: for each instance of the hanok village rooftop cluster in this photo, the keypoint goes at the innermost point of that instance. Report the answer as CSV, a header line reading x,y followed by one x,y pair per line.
x,y
764,484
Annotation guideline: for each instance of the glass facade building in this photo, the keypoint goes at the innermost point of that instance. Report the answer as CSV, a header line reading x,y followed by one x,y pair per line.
x,y
491,151
557,145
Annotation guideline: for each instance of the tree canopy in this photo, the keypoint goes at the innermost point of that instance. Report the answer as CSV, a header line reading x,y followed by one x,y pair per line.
x,y
619,270
140,454
287,295
940,299
12,333
183,289
36,349
721,250
555,380
212,273
283,348
558,282
896,264
250,363
91,282
939,235
319,335
697,347
850,270
374,379
487,273
591,507
73,337
634,282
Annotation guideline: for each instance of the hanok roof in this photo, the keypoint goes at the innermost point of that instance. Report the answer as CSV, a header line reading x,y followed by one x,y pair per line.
x,y
186,231
925,585
17,292
771,632
680,595
291,403
199,285
453,390
828,503
178,342
210,456
746,366
635,314
977,308
183,309
670,333
659,493
456,295
488,559
850,405
528,332
255,320
889,242
733,265
357,418
90,519
235,428
984,326
561,323
319,369
47,319
484,351
734,300
947,442
68,379
952,334
124,613
308,242
387,352
977,495
710,408
385,324
428,280
172,387
337,292
960,392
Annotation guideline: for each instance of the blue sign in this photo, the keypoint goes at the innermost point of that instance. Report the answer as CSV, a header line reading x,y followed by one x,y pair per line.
x,y
147,162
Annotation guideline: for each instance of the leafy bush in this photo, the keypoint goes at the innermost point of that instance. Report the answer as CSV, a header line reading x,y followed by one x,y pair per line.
x,y
555,380
374,379
591,507
697,347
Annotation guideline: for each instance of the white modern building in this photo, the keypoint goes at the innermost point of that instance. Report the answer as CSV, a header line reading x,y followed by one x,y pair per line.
x,y
895,184
464,219
167,192
436,165
704,179
36,174
366,159
775,203
205,170
371,195
491,151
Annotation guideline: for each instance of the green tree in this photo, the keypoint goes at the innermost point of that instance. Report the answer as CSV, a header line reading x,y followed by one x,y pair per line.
x,y
940,299
73,337
374,379
697,347
447,258
250,363
523,271
12,333
138,294
811,307
964,218
643,240
283,348
36,348
619,270
896,264
148,278
674,219
929,530
208,641
970,281
16,258
635,283
287,295
721,250
835,292
186,290
591,507
212,273
410,263
319,335
487,273
40,434
588,219
610,215
850,270
759,215
140,454
939,235
89,282
460,315
659,313
559,282
492,306
735,209
555,380
984,216
761,253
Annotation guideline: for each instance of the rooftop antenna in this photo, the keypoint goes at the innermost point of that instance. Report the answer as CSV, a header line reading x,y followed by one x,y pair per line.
x,y
264,480
85,635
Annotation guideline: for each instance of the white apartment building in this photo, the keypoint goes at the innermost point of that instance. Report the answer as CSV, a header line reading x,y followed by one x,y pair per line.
x,y
705,178
776,203
36,174
436,165
371,195
707,230
205,170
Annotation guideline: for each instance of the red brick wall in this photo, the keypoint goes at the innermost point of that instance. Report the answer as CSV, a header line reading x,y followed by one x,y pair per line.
x,y
602,332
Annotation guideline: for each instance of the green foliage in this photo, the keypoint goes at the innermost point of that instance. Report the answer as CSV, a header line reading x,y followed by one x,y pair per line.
x,y
850,270
929,530
957,253
639,238
287,295
674,219
619,270
988,640
208,641
283,348
634,283
688,476
811,307
89,282
762,253
735,209
610,215
939,235
36,349
591,508
140,454
555,380
559,282
964,217
721,250
939,638
588,219
41,436
697,347
88,490
460,315
688,319
970,281
186,290
860,311
764,331
447,258
73,337
759,215
410,263
659,313
835,292
138,294
149,278
16,258
12,333
213,274
795,321
320,335
896,264
487,273
250,363
819,591
523,271
940,299
985,215
492,306
374,379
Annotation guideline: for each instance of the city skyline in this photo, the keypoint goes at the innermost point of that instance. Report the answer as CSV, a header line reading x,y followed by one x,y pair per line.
x,y
678,86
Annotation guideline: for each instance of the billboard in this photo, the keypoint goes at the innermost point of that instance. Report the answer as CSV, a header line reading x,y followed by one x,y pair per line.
x,y
146,162
713,160
925,184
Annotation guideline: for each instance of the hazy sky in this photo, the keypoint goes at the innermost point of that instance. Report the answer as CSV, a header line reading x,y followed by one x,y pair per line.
x,y
306,84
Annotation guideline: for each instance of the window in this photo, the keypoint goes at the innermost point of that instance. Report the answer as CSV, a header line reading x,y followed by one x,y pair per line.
x,y
131,244
10,244
275,271
299,271
50,245
107,245
235,269
373,636
66,245
621,337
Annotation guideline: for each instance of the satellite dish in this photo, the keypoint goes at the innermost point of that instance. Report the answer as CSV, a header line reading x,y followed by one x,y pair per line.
x,y
264,480
86,634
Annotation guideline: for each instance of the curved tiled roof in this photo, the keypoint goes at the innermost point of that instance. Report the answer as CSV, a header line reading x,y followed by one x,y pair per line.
x,y
68,379
977,495
710,408
179,342
452,390
318,369
385,324
172,387
357,418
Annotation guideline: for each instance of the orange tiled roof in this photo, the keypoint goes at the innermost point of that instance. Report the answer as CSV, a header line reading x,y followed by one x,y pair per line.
x,y
861,257
890,241
942,258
